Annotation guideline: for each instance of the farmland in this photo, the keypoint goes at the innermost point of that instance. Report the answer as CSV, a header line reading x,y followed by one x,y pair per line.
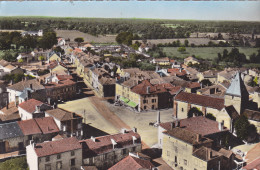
x,y
208,53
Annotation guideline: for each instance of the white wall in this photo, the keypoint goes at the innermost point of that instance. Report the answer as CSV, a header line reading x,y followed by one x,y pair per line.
x,y
24,114
32,158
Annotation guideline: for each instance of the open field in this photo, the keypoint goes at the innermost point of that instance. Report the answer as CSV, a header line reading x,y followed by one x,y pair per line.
x,y
208,53
72,34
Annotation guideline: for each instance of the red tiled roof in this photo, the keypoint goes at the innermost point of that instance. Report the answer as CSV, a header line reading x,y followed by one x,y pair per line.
x,y
103,144
132,163
199,124
30,105
55,147
47,125
142,88
60,84
193,85
253,165
176,71
64,77
206,101
29,127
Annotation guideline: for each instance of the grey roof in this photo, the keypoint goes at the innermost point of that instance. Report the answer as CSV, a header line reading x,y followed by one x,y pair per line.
x,y
10,130
237,86
20,86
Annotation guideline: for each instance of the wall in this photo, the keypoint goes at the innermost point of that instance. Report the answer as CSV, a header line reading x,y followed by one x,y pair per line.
x,y
182,110
32,159
233,100
65,159
24,114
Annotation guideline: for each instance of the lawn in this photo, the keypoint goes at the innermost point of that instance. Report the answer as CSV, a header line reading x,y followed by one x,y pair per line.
x,y
208,53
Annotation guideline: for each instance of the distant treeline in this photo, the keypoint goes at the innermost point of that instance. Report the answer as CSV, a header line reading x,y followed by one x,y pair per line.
x,y
144,28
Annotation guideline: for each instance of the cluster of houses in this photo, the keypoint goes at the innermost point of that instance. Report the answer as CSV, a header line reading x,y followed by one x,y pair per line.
x,y
54,138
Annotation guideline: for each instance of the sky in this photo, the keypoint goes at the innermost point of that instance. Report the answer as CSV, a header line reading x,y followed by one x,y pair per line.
x,y
193,10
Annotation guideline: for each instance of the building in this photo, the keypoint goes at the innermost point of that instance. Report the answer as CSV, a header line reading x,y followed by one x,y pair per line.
x,y
38,129
3,94
7,68
32,109
11,137
191,60
161,61
106,87
253,118
105,151
33,33
199,124
22,90
214,91
54,57
63,154
209,75
188,150
133,162
9,113
70,123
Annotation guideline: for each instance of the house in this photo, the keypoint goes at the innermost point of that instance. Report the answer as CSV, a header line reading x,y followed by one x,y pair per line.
x,y
106,87
8,68
26,57
226,75
179,72
22,90
105,151
11,137
69,122
127,73
191,60
38,129
143,48
210,75
185,149
55,66
214,91
54,57
133,162
61,154
32,109
60,91
199,124
161,61
9,113
3,94
252,158
33,33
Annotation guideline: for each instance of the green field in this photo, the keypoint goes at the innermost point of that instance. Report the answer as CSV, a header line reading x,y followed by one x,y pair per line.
x,y
208,53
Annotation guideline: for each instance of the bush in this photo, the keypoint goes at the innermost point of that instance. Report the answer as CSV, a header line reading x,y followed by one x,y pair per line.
x,y
15,164
20,60
194,112
181,49
210,116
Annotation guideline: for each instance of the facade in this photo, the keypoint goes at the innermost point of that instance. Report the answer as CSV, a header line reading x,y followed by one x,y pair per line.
x,y
70,123
65,154
161,61
54,57
105,151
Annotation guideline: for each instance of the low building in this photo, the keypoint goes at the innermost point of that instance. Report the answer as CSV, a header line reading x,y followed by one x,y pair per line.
x,y
38,129
199,124
191,60
11,137
133,162
188,150
32,109
18,92
105,151
69,122
9,113
33,33
161,61
63,154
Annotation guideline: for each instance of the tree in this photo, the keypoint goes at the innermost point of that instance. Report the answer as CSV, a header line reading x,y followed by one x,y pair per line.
x,y
241,127
253,82
41,58
20,60
15,164
124,38
181,49
210,116
186,43
79,40
194,111
48,40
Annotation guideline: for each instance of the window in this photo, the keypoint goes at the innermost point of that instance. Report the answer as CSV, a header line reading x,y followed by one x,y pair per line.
x,y
72,153
152,106
185,162
124,151
58,156
47,159
59,165
133,149
144,107
182,109
153,100
47,167
176,149
72,162
144,101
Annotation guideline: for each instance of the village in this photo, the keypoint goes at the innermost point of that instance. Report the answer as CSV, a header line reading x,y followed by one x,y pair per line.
x,y
77,108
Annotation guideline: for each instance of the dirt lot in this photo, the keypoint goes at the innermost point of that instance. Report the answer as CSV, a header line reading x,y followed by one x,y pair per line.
x,y
72,34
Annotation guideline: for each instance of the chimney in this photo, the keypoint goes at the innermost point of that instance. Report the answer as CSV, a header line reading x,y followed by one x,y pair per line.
x,y
158,117
172,125
198,136
37,109
134,129
148,89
